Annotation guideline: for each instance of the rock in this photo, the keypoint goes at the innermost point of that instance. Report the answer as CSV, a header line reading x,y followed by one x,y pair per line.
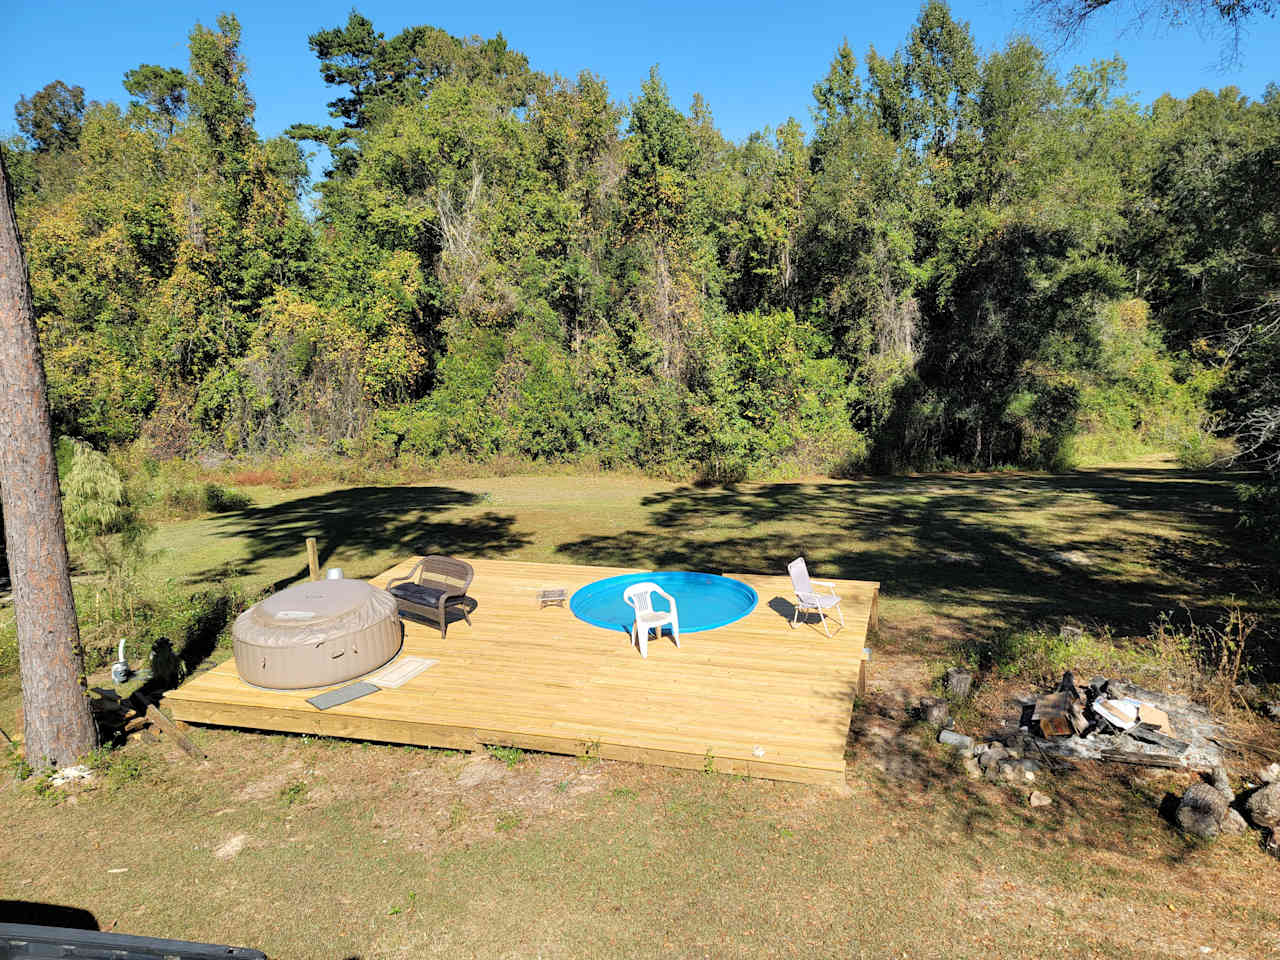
x,y
1008,772
971,768
68,774
934,711
1201,811
1011,740
1222,783
1067,631
1269,774
231,847
958,682
991,757
1234,825
1264,806
1038,799
957,740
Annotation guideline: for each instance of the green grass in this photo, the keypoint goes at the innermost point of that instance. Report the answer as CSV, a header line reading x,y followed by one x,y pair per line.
x,y
977,548
293,793
508,755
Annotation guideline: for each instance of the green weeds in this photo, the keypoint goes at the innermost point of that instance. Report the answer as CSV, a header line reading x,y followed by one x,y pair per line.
x,y
18,764
508,755
294,793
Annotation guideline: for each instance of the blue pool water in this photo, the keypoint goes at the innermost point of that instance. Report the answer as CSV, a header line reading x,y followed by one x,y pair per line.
x,y
704,601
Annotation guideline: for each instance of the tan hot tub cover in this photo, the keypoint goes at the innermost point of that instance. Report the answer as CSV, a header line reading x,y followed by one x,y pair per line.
x,y
316,634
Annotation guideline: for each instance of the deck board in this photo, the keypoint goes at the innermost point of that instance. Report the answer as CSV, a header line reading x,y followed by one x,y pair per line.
x,y
756,697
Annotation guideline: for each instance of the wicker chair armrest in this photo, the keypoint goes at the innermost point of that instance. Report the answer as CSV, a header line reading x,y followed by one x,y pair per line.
x,y
410,577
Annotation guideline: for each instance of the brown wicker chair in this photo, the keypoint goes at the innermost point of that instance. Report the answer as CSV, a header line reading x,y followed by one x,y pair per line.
x,y
433,586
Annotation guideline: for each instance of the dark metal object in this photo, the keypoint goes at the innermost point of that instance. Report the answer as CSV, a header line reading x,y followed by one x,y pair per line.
x,y
26,940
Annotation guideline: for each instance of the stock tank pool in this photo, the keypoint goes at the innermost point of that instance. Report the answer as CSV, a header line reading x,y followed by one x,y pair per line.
x,y
704,601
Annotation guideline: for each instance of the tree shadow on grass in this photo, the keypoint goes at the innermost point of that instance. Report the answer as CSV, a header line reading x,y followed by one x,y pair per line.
x,y
364,520
1115,546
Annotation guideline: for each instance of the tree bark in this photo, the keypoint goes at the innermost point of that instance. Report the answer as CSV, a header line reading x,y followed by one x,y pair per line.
x,y
58,723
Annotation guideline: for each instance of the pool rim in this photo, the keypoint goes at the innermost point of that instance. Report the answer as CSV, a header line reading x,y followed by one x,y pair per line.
x,y
650,576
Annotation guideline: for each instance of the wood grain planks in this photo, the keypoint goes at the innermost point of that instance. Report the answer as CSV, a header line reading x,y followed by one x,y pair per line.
x,y
756,697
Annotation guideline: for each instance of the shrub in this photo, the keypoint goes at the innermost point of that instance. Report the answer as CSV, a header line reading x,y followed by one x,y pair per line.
x,y
1136,398
220,499
1198,449
1204,660
773,393
103,524
1040,656
1260,510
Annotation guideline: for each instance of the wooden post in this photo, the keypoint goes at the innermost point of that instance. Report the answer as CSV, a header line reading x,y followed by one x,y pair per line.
x,y
313,558
58,725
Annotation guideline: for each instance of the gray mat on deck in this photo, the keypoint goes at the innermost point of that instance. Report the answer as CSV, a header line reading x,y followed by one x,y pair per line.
x,y
352,691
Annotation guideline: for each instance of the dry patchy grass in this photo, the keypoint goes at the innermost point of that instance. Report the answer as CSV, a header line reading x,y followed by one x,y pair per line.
x,y
402,852
378,851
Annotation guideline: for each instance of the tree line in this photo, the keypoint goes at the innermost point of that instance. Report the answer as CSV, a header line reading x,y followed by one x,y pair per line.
x,y
970,262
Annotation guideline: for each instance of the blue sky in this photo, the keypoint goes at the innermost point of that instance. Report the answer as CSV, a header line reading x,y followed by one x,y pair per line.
x,y
755,63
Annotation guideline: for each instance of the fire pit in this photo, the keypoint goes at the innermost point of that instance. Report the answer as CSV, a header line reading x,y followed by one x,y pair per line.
x,y
1120,722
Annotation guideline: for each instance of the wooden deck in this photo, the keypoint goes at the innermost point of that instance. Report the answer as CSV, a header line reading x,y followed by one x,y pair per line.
x,y
755,697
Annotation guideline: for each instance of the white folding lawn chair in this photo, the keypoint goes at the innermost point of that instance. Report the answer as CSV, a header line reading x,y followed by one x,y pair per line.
x,y
808,599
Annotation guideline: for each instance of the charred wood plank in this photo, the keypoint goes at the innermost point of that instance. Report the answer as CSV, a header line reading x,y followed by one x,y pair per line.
x,y
1140,759
1148,734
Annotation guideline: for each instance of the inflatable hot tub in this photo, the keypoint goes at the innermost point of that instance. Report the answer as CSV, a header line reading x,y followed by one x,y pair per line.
x,y
316,634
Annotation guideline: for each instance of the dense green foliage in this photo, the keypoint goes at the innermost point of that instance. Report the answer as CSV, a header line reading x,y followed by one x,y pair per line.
x,y
970,262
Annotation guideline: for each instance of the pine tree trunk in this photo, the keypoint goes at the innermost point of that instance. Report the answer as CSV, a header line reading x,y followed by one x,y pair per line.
x,y
58,724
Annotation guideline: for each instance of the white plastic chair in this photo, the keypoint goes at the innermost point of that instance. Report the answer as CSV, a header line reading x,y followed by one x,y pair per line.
x,y
640,597
808,599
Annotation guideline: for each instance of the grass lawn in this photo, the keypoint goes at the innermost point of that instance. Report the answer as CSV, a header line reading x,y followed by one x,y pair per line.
x,y
981,550
377,851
